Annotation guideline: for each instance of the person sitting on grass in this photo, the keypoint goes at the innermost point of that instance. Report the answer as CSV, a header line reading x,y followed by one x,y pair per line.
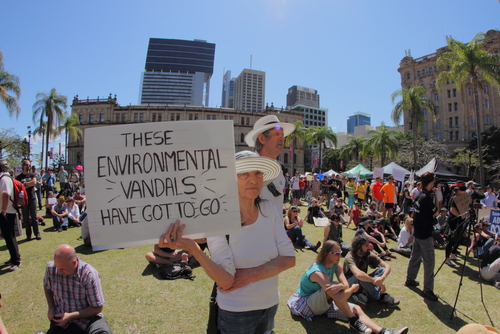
x,y
405,239
333,231
50,201
293,226
320,293
73,212
60,215
490,265
356,270
314,211
355,215
372,211
164,256
377,239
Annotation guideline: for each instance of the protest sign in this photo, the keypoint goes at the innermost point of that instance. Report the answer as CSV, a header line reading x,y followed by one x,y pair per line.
x,y
495,221
463,202
140,178
378,172
399,175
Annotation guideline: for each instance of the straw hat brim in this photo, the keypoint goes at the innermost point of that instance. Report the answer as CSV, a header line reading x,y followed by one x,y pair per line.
x,y
269,167
251,137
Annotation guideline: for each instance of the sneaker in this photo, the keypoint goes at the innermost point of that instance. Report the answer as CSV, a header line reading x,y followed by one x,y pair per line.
x,y
430,295
9,263
60,229
38,237
411,283
359,326
403,330
14,267
390,301
360,298
497,285
454,258
450,263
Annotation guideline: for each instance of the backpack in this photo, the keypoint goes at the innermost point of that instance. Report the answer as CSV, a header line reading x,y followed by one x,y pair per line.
x,y
176,271
19,197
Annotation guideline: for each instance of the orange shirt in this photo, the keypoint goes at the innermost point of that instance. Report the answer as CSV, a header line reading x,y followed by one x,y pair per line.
x,y
389,192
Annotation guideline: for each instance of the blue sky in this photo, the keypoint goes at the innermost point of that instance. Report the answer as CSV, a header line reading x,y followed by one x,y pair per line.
x,y
349,50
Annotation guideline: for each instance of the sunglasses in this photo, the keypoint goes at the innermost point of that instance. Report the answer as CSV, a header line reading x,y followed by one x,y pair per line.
x,y
335,253
295,211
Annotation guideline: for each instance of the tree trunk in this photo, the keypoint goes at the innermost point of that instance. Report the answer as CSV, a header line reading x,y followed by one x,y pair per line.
x,y
414,128
479,139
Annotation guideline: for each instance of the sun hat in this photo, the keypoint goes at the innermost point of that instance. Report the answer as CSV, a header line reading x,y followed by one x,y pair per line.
x,y
248,161
266,123
477,329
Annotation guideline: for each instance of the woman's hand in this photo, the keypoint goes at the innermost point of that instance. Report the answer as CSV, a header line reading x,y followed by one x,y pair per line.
x,y
173,238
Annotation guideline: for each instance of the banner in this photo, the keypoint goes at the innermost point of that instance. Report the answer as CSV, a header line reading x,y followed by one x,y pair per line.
x,y
495,221
140,178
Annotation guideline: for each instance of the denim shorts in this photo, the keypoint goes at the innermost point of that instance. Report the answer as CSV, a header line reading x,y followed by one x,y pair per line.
x,y
248,322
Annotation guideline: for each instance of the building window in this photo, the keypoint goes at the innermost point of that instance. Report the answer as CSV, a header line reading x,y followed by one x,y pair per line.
x,y
488,119
438,124
456,121
454,92
430,70
242,120
190,117
124,117
472,120
153,118
410,124
408,76
486,104
141,117
242,138
172,117
470,91
91,118
436,97
178,117
425,124
117,118
195,117
136,117
159,117
455,106
209,117
80,119
450,107
451,135
101,118
247,121
485,89
418,74
423,72
438,110
457,136
449,93
451,121
438,136
424,111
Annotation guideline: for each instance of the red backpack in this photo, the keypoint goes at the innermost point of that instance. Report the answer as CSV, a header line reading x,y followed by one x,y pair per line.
x,y
19,197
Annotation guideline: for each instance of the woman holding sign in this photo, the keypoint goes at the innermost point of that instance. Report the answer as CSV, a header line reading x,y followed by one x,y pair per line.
x,y
245,265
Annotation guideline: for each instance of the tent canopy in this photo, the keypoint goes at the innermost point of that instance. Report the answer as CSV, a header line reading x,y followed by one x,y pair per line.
x,y
330,173
362,170
389,168
437,168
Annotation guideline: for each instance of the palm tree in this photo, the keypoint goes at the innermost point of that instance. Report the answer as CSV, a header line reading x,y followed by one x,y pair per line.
x,y
318,135
354,149
51,107
40,130
9,83
470,65
382,143
295,138
414,101
69,127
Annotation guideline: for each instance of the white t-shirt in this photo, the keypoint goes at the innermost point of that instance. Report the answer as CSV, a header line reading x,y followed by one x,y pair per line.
x,y
279,183
403,238
256,244
295,183
6,186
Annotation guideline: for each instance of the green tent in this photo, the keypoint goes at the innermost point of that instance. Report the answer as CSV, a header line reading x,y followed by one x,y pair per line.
x,y
362,170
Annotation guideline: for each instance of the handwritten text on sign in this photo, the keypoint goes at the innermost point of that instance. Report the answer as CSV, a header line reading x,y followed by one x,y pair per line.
x,y
142,177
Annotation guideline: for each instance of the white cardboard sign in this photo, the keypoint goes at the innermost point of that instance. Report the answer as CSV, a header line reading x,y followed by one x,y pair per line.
x,y
140,178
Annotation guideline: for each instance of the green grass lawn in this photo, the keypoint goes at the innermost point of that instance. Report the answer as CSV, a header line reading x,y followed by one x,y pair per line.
x,y
137,301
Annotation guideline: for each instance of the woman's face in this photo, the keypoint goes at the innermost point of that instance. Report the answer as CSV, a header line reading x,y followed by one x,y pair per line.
x,y
249,184
294,212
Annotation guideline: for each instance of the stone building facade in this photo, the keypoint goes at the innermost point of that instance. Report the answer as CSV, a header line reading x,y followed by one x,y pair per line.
x,y
456,122
107,112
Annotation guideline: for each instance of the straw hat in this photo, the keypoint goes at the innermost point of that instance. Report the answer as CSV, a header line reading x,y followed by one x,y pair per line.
x,y
266,123
477,329
247,161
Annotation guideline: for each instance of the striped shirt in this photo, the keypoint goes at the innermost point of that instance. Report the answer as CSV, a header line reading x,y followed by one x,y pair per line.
x,y
74,292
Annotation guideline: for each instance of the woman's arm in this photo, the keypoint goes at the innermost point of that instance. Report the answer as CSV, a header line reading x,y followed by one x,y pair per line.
x,y
173,239
326,232
288,225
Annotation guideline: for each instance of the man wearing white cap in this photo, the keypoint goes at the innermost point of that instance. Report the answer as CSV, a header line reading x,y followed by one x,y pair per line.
x,y
267,138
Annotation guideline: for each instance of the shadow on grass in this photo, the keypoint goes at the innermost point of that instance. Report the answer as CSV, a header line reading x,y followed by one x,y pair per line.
x,y
321,324
86,250
442,310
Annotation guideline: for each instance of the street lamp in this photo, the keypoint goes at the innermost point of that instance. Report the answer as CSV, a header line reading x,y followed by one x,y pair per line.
x,y
29,142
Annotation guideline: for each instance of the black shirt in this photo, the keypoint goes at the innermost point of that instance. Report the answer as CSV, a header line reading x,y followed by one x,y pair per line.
x,y
26,178
425,208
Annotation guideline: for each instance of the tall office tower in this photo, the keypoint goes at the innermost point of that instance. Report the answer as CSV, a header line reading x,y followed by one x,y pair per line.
x,y
359,118
227,91
249,90
302,95
456,121
177,72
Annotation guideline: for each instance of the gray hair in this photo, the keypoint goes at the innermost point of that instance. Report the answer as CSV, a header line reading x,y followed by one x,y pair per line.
x,y
258,145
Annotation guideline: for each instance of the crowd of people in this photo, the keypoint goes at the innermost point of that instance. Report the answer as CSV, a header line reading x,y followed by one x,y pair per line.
x,y
245,265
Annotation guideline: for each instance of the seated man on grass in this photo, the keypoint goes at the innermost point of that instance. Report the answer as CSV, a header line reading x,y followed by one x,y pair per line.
x,y
164,256
74,295
356,270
